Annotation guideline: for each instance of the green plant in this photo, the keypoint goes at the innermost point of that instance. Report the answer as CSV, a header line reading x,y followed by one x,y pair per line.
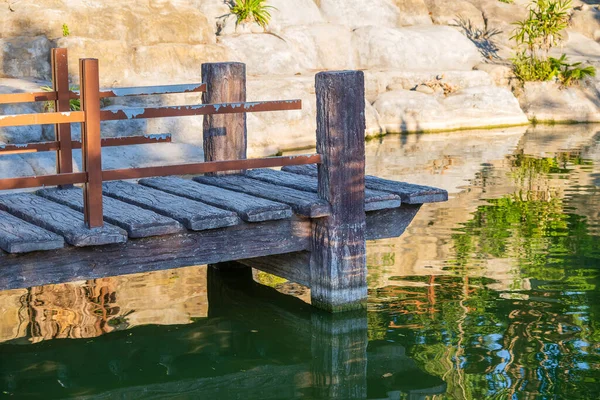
x,y
542,29
569,73
536,35
251,11
75,104
65,30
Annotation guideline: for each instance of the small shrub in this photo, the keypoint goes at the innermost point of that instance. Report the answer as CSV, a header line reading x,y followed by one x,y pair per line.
x,y
65,30
75,104
530,69
251,11
571,73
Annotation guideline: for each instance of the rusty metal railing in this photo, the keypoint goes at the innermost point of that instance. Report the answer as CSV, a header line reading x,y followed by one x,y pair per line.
x,y
91,142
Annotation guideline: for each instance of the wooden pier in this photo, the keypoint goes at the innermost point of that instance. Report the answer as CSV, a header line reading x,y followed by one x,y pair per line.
x,y
307,223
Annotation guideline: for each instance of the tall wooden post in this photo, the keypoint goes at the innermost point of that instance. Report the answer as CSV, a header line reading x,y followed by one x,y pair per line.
x,y
224,135
91,151
60,83
338,261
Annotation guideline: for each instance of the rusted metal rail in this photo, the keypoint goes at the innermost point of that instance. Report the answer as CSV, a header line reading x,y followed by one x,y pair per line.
x,y
90,116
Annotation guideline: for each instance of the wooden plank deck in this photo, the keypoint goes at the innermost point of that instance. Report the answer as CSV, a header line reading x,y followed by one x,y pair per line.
x,y
408,192
196,223
170,205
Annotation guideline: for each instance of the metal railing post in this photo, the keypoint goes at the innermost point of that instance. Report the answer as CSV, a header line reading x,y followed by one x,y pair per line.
x,y
91,152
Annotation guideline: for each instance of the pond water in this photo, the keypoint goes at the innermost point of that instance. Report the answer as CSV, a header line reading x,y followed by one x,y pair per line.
x,y
494,294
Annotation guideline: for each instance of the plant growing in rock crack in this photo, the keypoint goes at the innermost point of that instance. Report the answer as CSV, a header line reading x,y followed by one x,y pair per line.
x,y
75,104
251,11
536,35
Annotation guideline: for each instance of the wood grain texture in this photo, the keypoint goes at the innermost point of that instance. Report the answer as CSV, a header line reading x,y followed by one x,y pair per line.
x,y
247,240
338,262
249,208
18,236
192,214
306,204
61,220
374,200
408,192
137,221
294,267
224,136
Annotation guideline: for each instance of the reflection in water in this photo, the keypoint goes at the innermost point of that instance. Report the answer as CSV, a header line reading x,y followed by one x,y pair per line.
x,y
494,294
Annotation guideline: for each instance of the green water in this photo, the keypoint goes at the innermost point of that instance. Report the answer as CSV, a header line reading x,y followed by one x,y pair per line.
x,y
494,294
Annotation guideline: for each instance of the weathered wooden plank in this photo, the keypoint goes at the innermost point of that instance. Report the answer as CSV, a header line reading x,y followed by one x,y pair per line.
x,y
249,208
18,236
385,224
192,214
305,204
408,192
246,240
338,265
292,266
374,200
61,220
137,221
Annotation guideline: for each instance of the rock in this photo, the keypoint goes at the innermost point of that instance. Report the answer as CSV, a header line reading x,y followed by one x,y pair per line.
x,y
322,46
501,74
175,63
417,48
413,12
289,13
424,89
25,57
358,13
109,53
378,82
587,22
547,102
264,54
452,13
13,166
476,107
19,134
578,48
500,16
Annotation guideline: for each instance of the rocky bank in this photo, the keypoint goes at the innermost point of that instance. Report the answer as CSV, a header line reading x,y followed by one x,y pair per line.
x,y
430,65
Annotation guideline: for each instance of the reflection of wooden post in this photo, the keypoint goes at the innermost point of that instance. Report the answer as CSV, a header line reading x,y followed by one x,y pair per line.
x,y
91,151
60,83
339,353
224,135
338,262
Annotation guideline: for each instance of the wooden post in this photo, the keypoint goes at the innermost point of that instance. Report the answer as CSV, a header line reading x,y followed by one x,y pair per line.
x,y
91,150
338,261
224,135
60,84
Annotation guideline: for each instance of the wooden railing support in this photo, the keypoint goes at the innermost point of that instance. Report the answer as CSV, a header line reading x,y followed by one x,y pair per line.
x,y
60,83
91,152
224,136
338,261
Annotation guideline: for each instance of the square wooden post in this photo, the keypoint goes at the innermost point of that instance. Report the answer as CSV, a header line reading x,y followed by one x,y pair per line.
x,y
60,84
224,135
338,260
91,150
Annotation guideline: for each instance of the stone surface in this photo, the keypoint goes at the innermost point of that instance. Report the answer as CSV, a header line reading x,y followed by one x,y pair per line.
x,y
546,101
587,22
404,49
411,111
322,46
25,57
263,54
288,13
357,13
413,12
444,12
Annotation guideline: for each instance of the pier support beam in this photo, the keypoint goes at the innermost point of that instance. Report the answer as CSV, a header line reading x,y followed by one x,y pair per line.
x,y
338,270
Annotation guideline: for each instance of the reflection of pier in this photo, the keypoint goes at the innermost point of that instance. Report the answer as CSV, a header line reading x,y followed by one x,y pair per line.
x,y
255,344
